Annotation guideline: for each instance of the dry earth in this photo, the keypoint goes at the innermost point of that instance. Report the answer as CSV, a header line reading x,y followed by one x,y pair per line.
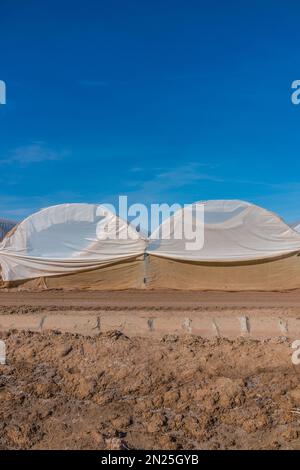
x,y
63,391
148,299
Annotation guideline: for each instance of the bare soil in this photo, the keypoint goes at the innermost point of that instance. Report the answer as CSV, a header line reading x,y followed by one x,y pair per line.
x,y
148,299
62,391
110,391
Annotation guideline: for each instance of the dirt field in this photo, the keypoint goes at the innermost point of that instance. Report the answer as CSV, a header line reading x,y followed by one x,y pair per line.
x,y
64,391
149,299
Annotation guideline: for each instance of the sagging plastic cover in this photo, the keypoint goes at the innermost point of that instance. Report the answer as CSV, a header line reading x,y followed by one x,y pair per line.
x,y
232,230
67,238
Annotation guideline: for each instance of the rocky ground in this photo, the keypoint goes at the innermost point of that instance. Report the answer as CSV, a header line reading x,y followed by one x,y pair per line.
x,y
62,391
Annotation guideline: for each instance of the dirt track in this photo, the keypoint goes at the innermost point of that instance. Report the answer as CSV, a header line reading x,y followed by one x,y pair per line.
x,y
144,299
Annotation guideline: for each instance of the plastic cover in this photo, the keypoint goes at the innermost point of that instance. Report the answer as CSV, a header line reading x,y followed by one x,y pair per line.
x,y
67,238
233,231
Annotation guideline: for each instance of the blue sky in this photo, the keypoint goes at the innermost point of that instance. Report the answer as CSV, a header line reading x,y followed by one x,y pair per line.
x,y
165,101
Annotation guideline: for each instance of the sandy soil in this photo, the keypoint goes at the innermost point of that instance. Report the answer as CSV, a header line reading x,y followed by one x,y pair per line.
x,y
146,298
62,391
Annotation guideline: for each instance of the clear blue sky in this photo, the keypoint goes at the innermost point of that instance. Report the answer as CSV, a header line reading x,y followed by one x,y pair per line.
x,y
166,101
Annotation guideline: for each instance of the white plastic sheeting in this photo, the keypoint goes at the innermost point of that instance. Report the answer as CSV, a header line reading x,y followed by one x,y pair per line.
x,y
67,238
233,231
296,226
70,238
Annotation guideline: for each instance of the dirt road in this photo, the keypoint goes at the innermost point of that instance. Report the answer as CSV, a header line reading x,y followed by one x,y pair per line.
x,y
145,299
